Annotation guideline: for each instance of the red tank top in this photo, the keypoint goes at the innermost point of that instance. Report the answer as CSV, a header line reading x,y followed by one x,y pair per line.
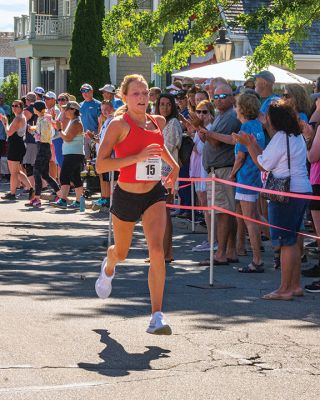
x,y
136,140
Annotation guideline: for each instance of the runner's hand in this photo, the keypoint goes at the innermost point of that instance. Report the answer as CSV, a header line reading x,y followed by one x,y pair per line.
x,y
171,179
152,150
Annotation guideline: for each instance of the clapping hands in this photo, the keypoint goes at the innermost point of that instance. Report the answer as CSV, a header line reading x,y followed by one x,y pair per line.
x,y
243,138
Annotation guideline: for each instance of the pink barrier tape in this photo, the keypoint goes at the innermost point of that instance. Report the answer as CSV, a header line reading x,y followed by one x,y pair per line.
x,y
254,189
222,210
184,186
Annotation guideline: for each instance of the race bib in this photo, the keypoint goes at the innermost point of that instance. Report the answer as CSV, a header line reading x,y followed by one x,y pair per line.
x,y
149,170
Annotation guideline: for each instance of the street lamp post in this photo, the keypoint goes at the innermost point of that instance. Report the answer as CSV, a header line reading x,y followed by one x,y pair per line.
x,y
222,46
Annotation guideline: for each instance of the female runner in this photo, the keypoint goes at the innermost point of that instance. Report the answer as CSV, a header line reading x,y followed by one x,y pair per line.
x,y
139,147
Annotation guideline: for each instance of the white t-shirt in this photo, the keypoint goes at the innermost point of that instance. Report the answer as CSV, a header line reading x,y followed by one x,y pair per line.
x,y
103,131
274,158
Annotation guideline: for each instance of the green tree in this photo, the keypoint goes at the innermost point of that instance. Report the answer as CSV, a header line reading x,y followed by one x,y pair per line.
x,y
125,27
10,88
87,64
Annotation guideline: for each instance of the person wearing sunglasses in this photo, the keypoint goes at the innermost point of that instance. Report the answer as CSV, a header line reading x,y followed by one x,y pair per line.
x,y
218,160
187,83
4,110
298,97
90,111
205,114
172,134
16,150
43,133
73,156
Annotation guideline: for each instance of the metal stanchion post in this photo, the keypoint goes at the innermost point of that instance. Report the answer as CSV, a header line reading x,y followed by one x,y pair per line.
x,y
192,204
110,215
213,186
212,285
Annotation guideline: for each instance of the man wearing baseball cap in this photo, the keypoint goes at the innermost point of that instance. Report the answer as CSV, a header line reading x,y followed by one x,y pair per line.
x,y
108,93
51,105
90,110
39,91
264,82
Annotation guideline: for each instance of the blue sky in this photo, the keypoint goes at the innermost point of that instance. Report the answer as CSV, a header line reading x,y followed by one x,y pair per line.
x,y
10,9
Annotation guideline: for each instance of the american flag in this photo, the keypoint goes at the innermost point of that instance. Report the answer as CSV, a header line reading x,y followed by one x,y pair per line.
x,y
194,62
24,72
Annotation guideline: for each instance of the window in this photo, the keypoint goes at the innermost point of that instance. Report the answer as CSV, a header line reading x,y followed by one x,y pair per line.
x,y
66,8
48,7
9,66
145,4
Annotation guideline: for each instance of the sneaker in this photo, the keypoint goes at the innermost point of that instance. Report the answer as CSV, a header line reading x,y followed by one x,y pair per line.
x,y
184,215
157,325
313,272
97,204
313,288
34,203
311,245
9,196
75,205
104,283
204,246
61,203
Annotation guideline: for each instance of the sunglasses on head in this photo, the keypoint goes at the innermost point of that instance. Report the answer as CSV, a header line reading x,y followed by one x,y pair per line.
x,y
85,90
221,96
15,105
202,112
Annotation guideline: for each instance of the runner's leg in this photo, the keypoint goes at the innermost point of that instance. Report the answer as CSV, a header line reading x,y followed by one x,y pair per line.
x,y
155,217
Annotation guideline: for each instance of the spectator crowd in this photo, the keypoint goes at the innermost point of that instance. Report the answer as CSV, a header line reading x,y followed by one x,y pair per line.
x,y
246,136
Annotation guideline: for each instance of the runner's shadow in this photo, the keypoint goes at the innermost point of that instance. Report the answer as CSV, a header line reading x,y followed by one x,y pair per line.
x,y
117,362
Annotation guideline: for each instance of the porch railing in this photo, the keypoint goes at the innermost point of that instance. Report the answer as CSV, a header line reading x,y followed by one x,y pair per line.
x,y
38,26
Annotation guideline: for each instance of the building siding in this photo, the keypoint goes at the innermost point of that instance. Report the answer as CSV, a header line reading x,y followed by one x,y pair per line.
x,y
135,65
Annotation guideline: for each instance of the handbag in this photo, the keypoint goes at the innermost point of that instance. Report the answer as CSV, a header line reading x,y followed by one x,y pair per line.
x,y
278,184
185,150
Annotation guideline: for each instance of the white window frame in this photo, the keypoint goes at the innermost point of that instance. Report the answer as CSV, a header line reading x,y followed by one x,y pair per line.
x,y
66,8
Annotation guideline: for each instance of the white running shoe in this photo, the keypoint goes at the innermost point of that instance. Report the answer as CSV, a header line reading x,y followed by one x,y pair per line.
x,y
104,283
205,246
157,325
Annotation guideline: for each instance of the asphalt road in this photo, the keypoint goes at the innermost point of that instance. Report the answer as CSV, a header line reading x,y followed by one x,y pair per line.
x,y
59,341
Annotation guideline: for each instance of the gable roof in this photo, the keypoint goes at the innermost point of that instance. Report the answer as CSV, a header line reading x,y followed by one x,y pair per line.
x,y
309,46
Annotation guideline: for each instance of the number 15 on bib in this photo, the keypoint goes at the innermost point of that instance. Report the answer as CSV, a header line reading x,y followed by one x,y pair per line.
x,y
149,170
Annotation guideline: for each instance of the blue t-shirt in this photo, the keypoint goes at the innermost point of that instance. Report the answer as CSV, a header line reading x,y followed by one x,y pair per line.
x,y
90,112
185,113
3,135
266,103
303,116
249,173
116,103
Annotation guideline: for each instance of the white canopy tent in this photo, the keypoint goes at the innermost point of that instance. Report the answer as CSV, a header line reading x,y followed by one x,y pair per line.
x,y
234,70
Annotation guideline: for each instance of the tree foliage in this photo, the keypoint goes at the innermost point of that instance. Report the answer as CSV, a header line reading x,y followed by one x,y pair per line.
x,y
10,88
87,64
285,22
